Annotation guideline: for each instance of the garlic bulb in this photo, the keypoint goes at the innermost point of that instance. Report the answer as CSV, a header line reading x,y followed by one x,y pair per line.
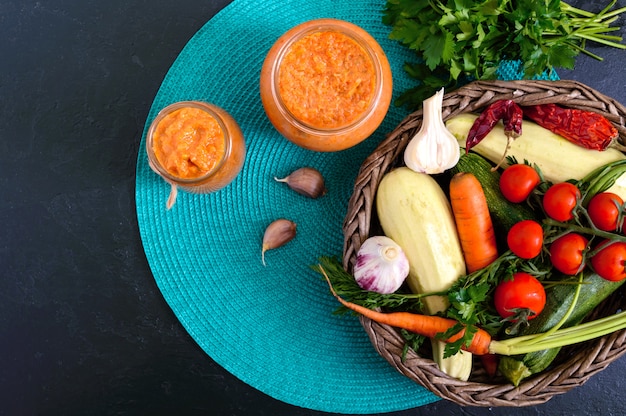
x,y
433,149
381,265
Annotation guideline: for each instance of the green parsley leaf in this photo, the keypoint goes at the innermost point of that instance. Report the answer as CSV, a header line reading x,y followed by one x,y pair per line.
x,y
463,39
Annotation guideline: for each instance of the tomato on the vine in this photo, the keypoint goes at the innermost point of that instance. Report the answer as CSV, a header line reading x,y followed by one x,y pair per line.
x,y
560,200
518,181
610,261
566,253
522,296
525,239
604,210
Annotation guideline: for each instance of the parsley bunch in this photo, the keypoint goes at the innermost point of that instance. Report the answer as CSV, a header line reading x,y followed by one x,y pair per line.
x,y
460,40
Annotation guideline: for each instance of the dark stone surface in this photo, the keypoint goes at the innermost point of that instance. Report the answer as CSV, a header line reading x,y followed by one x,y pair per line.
x,y
83,327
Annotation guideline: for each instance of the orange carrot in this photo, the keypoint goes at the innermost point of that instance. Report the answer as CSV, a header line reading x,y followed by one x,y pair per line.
x,y
425,325
473,222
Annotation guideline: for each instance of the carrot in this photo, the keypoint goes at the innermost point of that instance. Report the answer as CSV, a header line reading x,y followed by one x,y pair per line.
x,y
473,222
425,325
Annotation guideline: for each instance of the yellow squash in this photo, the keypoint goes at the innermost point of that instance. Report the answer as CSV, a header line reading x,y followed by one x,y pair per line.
x,y
414,211
558,158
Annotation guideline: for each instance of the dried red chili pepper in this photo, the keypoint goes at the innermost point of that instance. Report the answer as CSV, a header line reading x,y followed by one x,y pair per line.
x,y
513,121
585,128
506,110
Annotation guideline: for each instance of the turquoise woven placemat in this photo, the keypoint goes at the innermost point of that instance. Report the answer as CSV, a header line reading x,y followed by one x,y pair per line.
x,y
271,326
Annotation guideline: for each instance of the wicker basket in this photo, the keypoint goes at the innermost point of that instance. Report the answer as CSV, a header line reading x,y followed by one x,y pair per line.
x,y
575,364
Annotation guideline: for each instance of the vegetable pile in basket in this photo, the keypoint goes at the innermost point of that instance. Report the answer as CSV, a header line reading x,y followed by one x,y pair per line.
x,y
501,250
458,40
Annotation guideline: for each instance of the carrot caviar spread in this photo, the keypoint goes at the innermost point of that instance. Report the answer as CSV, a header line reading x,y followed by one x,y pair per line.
x,y
327,80
188,143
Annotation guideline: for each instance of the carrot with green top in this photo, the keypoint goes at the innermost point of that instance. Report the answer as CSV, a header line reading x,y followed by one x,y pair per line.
x,y
426,325
481,342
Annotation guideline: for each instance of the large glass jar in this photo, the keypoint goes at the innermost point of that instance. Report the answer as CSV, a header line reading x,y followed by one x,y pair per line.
x,y
195,146
326,85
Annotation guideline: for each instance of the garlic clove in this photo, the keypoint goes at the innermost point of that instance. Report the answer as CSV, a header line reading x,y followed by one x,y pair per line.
x,y
306,181
277,234
433,149
381,265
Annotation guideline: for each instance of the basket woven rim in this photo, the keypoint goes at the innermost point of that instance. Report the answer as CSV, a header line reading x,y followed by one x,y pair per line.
x,y
590,358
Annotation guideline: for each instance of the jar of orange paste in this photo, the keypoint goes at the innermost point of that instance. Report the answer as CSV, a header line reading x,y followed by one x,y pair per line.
x,y
326,85
195,146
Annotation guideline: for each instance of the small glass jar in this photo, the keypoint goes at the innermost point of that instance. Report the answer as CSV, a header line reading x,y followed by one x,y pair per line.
x,y
326,85
195,146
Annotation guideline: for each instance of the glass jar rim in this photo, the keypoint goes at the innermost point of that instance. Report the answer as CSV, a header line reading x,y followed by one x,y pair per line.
x,y
165,111
327,25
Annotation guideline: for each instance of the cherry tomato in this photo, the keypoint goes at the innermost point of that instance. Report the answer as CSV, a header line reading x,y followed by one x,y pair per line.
x,y
522,292
604,210
518,181
610,262
566,253
560,200
525,239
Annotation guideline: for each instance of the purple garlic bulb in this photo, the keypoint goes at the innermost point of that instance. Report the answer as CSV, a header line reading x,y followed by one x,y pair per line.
x,y
381,265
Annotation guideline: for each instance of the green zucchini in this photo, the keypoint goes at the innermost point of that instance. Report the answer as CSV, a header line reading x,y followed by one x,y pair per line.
x,y
558,299
504,214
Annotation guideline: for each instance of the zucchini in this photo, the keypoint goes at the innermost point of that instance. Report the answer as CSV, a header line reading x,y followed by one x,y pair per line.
x,y
414,212
558,299
558,159
504,214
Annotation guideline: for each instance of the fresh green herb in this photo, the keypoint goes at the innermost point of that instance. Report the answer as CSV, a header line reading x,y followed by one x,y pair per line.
x,y
471,300
460,40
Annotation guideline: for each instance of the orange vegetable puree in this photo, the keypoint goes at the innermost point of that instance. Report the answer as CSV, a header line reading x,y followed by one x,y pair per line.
x,y
327,80
188,143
